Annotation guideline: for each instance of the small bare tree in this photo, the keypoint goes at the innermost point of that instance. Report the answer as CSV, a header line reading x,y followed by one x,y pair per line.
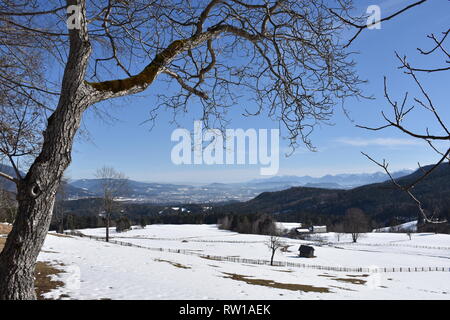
x,y
339,231
409,234
355,223
274,243
113,183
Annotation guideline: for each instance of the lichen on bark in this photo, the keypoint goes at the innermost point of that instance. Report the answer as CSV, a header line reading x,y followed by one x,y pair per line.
x,y
146,76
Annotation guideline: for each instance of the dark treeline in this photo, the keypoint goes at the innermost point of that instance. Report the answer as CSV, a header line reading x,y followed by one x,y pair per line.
x,y
248,223
84,213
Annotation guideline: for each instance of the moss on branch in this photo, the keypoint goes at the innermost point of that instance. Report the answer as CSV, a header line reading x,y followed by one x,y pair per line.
x,y
146,76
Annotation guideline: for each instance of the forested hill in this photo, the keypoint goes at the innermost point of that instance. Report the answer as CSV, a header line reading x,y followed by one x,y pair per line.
x,y
382,201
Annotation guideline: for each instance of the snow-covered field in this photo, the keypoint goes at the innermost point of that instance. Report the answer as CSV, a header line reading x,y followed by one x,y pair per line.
x,y
404,227
99,270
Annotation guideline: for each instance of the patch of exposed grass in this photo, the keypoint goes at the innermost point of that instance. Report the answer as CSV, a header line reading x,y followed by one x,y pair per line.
x,y
342,288
44,282
5,228
353,281
43,274
48,251
277,285
357,275
175,264
289,271
60,235
326,275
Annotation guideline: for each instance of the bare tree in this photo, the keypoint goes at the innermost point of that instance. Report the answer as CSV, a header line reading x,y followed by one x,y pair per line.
x,y
356,223
400,109
287,54
424,101
409,234
274,243
339,230
113,183
400,112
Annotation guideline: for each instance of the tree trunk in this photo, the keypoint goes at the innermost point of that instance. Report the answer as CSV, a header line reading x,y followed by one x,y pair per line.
x,y
17,261
271,258
107,226
36,192
36,197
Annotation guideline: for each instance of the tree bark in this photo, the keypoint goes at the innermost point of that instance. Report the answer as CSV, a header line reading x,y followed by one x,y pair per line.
x,y
36,198
36,192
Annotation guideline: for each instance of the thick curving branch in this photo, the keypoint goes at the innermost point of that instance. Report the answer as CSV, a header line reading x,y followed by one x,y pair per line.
x,y
138,83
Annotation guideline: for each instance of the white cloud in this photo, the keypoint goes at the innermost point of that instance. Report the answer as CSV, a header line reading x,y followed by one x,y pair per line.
x,y
385,142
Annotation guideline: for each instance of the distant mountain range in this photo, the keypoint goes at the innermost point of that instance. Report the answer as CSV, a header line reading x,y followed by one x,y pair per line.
x,y
338,181
166,193
223,192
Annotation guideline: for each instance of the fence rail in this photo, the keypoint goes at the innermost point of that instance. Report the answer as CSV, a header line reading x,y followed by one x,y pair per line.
x,y
386,245
267,262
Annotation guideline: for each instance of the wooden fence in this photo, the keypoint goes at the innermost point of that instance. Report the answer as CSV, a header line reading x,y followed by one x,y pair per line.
x,y
267,262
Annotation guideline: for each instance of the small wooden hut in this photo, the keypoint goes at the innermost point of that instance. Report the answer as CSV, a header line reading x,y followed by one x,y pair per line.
x,y
306,251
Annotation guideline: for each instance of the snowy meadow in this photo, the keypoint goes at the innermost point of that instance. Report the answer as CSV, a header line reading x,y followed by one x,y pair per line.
x,y
204,262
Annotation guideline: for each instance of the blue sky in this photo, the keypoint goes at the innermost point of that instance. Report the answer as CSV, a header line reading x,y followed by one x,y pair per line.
x,y
144,154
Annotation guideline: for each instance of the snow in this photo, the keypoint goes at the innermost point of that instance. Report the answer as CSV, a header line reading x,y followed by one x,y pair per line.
x,y
408,226
98,270
288,225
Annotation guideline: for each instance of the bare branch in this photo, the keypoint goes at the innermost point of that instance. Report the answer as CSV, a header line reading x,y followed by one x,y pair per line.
x,y
185,86
8,177
384,165
361,27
